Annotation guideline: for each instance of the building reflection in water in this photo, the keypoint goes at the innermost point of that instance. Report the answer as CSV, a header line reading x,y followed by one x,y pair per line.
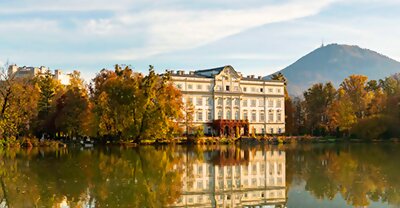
x,y
236,178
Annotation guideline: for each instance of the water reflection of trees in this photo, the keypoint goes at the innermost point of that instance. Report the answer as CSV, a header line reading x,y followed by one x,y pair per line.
x,y
152,177
142,177
360,173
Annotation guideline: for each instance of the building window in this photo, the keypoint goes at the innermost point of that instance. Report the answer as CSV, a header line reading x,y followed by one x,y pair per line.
x,y
237,102
253,89
220,114
270,117
190,86
190,99
261,90
227,88
199,101
208,87
179,86
262,116
208,101
253,103
278,103
270,90
261,103
200,170
279,117
199,184
244,103
228,102
270,103
278,90
199,115
208,115
236,115
253,116
245,116
228,114
236,88
219,101
244,89
200,87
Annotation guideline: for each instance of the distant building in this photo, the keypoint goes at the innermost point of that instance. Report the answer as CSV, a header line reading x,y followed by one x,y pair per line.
x,y
226,102
26,72
63,78
31,72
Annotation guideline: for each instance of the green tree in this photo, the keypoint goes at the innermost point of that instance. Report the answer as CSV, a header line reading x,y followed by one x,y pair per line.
x,y
50,91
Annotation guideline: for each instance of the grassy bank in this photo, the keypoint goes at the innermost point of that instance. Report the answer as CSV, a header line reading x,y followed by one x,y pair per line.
x,y
29,142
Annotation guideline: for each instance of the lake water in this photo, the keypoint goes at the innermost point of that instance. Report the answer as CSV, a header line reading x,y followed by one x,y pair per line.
x,y
314,175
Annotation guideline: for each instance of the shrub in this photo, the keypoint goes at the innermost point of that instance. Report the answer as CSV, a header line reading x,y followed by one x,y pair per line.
x,y
374,127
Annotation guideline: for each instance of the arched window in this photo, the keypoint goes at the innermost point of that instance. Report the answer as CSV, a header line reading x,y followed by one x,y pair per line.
x,y
237,115
245,115
228,114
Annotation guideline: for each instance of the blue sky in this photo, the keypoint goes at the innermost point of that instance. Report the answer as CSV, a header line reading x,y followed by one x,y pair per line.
x,y
254,36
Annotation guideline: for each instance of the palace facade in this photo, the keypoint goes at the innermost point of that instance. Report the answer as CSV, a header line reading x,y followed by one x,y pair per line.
x,y
225,102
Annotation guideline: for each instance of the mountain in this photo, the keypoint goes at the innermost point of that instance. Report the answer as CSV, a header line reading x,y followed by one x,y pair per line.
x,y
335,62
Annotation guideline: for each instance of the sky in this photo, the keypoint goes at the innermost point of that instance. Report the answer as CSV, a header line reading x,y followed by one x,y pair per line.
x,y
256,37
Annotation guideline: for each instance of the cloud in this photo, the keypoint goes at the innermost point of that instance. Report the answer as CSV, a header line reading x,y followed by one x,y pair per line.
x,y
148,27
38,6
170,30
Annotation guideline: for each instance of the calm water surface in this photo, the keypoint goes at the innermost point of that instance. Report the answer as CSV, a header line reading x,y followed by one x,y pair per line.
x,y
323,175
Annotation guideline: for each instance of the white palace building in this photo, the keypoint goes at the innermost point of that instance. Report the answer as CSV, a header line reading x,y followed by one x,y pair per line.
x,y
225,101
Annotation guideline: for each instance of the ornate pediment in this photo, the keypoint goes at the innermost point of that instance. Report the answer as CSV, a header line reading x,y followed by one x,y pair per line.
x,y
228,73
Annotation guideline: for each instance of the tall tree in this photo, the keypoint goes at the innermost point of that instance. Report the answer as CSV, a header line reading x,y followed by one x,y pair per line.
x,y
341,114
318,99
50,91
73,116
355,88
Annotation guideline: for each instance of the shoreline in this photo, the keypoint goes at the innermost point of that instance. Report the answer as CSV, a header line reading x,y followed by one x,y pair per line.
x,y
280,140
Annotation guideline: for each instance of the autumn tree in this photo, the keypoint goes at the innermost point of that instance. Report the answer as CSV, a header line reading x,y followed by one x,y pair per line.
x,y
50,90
318,99
73,114
18,99
341,114
132,106
355,88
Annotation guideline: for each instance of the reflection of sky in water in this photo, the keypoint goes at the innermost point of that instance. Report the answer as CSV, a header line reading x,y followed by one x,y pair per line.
x,y
302,199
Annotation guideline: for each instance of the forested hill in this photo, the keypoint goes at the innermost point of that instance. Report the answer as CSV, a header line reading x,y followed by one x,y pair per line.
x,y
333,63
